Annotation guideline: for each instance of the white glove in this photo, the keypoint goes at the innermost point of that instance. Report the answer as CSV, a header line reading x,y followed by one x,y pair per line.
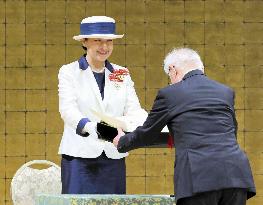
x,y
90,127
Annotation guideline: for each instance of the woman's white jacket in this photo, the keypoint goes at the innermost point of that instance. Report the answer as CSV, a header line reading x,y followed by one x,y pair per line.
x,y
79,94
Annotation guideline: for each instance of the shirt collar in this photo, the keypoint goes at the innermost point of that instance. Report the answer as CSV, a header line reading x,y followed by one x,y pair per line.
x,y
192,73
83,64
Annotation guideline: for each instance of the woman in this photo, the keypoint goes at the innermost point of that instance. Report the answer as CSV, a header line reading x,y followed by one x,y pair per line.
x,y
90,165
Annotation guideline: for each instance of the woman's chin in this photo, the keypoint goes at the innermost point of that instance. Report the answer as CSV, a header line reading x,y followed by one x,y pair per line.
x,y
102,57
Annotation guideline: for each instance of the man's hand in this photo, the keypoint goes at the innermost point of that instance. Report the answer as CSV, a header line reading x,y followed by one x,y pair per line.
x,y
117,138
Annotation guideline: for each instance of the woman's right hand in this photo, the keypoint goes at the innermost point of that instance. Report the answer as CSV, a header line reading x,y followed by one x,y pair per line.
x,y
90,127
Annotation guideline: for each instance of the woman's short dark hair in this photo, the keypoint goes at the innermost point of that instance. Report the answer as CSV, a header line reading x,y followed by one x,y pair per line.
x,y
84,48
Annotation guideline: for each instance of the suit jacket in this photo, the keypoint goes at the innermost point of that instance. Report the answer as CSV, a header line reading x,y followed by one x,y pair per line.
x,y
199,113
79,94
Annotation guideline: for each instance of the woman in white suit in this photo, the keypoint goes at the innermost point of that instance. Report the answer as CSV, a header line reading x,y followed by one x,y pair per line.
x,y
90,165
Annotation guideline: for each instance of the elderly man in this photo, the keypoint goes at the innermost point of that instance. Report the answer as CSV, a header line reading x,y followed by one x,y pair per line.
x,y
210,167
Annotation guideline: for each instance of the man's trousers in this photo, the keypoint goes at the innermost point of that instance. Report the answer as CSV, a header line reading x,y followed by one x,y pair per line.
x,y
233,196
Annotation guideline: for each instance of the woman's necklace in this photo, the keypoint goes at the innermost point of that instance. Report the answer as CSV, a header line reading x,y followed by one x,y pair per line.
x,y
101,70
96,70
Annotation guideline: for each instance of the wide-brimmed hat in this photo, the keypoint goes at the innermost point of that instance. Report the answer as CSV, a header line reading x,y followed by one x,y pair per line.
x,y
97,27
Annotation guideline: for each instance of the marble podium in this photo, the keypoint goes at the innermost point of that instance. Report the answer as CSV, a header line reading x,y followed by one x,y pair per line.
x,y
83,199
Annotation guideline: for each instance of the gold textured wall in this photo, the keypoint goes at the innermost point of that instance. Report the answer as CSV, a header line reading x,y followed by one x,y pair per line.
x,y
36,39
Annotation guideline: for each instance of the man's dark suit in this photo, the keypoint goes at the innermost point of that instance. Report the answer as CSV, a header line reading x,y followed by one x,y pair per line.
x,y
199,113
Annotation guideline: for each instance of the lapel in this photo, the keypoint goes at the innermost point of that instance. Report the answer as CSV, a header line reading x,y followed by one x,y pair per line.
x,y
107,89
83,65
91,81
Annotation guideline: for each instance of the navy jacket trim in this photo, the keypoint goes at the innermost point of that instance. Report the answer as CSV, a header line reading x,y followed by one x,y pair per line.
x,y
83,64
109,66
80,127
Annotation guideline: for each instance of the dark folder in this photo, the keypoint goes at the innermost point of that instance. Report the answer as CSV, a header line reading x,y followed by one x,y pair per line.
x,y
108,133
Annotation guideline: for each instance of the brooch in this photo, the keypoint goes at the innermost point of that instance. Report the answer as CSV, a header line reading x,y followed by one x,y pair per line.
x,y
117,76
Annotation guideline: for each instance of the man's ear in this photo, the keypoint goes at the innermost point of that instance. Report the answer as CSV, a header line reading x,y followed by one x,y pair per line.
x,y
170,67
175,72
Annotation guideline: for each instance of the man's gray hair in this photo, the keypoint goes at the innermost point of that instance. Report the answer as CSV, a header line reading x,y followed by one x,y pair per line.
x,y
183,58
